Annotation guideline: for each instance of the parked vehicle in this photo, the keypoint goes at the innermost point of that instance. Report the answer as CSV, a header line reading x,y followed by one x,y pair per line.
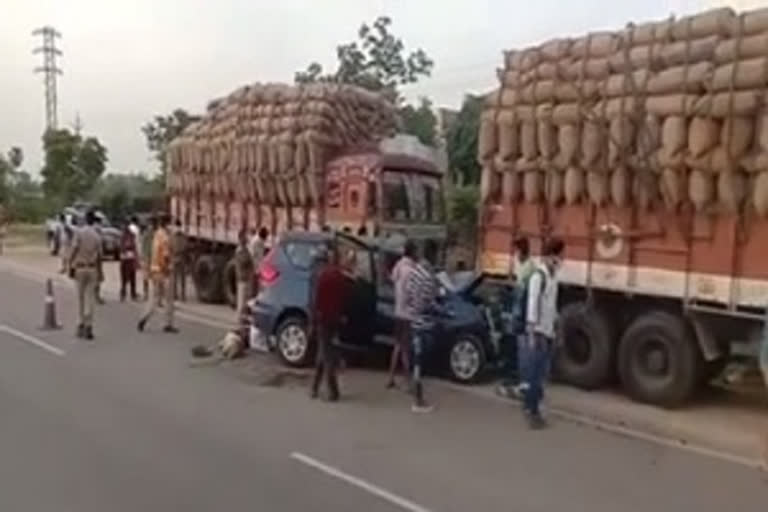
x,y
110,235
462,346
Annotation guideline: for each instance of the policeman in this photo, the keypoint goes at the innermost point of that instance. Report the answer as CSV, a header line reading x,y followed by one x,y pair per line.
x,y
85,264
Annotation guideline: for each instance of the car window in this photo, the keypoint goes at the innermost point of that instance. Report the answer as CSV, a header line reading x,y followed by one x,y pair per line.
x,y
363,267
302,254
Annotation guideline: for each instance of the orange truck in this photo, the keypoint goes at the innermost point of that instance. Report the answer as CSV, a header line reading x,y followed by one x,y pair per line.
x,y
389,189
666,269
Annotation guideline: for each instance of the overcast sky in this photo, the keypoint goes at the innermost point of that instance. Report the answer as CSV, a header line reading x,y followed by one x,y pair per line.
x,y
125,61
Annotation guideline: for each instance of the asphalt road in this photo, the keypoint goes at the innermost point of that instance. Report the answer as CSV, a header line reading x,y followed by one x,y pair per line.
x,y
125,423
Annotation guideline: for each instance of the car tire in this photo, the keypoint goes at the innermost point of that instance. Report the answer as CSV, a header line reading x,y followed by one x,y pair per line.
x,y
659,360
293,343
229,284
465,358
206,275
586,355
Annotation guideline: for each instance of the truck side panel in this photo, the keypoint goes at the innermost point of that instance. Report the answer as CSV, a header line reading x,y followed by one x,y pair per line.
x,y
697,258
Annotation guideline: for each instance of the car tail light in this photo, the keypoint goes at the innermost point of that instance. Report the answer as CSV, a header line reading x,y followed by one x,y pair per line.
x,y
268,272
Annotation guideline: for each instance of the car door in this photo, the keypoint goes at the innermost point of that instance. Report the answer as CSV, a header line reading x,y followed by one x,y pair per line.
x,y
359,328
385,304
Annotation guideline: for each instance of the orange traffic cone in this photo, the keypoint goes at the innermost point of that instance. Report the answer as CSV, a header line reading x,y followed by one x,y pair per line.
x,y
49,309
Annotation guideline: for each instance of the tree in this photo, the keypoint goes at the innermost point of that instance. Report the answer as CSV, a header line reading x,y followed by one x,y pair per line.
x,y
163,129
420,121
72,166
119,195
8,167
377,61
461,142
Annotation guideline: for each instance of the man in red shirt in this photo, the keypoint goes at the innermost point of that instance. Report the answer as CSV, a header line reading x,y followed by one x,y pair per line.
x,y
330,295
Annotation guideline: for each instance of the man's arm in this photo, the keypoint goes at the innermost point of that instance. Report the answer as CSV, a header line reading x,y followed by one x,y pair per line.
x,y
74,247
535,285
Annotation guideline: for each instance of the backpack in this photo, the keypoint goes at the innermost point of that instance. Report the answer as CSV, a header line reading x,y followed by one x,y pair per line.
x,y
520,302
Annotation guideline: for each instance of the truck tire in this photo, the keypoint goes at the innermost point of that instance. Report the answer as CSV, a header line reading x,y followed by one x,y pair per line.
x,y
587,355
659,360
229,284
206,275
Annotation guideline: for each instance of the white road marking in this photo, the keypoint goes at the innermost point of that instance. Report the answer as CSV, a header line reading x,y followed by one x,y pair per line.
x,y
31,340
384,494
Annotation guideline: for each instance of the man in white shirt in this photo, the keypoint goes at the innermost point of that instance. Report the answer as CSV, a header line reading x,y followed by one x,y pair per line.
x,y
541,315
401,349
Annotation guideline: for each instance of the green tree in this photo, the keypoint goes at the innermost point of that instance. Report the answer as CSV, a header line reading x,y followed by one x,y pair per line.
x,y
73,164
119,195
162,130
378,61
461,142
420,121
8,167
462,212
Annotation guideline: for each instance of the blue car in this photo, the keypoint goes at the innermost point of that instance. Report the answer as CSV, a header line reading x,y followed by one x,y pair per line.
x,y
462,344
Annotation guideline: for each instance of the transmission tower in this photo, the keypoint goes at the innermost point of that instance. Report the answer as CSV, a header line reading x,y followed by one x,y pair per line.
x,y
49,71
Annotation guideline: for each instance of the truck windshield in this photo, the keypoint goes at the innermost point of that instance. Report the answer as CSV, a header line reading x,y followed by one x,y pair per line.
x,y
411,197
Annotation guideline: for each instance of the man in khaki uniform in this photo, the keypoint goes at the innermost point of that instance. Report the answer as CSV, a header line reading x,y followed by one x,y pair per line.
x,y
161,278
85,263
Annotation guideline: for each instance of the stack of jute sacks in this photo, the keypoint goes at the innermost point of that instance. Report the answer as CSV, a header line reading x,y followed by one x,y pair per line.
x,y
269,142
659,114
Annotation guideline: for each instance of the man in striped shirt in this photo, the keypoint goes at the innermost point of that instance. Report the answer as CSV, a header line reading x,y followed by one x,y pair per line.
x,y
420,297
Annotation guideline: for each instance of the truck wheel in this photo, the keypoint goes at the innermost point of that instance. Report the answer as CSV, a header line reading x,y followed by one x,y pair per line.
x,y
229,283
659,360
206,276
586,356
293,342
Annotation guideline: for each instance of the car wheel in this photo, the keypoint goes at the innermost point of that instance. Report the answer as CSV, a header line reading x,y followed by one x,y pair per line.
x,y
659,360
586,356
466,358
293,344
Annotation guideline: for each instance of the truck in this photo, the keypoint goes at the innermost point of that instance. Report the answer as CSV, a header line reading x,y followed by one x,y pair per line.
x,y
379,186
665,277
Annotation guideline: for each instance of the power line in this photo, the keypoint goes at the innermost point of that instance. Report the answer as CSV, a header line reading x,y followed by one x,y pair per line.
x,y
49,69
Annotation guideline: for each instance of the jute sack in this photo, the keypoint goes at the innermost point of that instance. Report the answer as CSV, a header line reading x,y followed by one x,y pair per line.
x,y
714,21
507,131
533,186
573,185
546,137
674,135
671,104
743,48
566,113
725,104
522,60
681,53
591,143
510,187
760,194
568,144
750,22
703,135
645,189
490,185
731,190
673,187
555,49
637,58
620,185
626,84
514,79
502,165
648,32
649,136
701,189
551,90
736,135
714,161
595,69
528,146
524,165
748,74
680,79
598,188
487,138
554,188
621,139
596,44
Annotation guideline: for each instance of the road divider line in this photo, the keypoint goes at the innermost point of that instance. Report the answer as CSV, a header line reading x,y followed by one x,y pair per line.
x,y
31,340
370,488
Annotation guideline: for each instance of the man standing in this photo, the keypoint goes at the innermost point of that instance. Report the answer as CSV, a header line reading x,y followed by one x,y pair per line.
x,y
330,295
420,295
85,265
402,348
160,278
147,238
541,314
179,255
128,261
258,245
243,272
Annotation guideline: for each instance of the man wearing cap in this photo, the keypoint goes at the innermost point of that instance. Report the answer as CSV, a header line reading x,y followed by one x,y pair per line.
x,y
85,264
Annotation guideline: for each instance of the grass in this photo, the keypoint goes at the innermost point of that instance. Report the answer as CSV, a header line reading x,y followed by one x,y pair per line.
x,y
25,234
